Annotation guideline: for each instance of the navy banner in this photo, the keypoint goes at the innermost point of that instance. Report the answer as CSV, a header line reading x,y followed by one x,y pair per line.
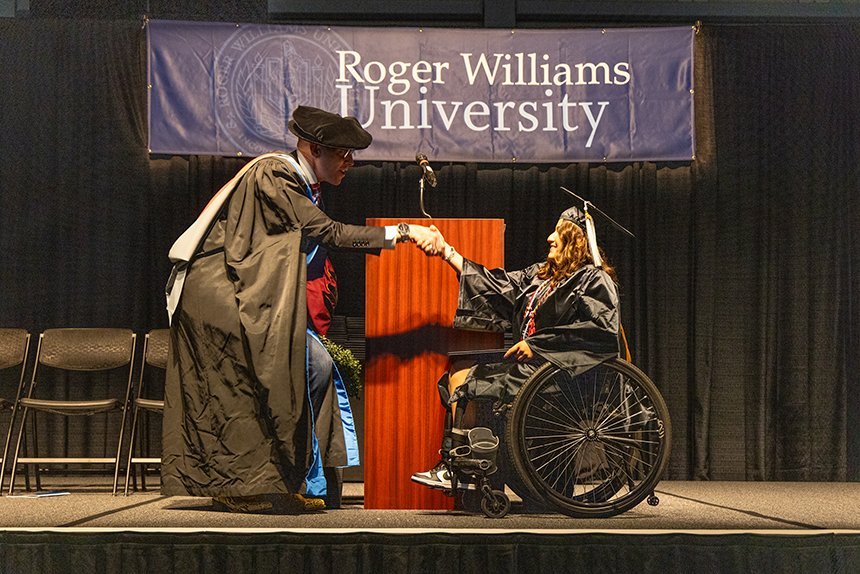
x,y
454,94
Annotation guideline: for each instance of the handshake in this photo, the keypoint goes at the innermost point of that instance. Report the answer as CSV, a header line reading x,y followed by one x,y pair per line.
x,y
430,240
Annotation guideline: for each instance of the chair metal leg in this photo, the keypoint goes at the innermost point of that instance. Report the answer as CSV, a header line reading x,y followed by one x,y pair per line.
x,y
6,450
125,408
143,440
27,485
131,445
36,473
18,451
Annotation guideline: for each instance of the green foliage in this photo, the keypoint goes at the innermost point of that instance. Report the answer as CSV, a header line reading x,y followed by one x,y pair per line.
x,y
350,368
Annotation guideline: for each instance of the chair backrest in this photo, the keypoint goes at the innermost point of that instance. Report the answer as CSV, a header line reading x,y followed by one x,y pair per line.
x,y
13,347
156,347
86,349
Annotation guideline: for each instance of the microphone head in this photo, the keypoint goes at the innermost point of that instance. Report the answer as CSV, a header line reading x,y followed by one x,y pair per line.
x,y
428,174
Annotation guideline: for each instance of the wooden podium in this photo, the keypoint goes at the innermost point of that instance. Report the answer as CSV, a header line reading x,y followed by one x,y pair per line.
x,y
411,299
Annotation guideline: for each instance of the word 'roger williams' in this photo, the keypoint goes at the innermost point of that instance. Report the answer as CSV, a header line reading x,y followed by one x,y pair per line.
x,y
518,69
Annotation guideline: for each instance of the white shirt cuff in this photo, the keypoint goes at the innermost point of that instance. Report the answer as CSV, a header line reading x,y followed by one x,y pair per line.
x,y
390,236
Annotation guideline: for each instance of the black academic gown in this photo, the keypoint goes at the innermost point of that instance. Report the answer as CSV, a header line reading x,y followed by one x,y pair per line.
x,y
236,420
576,327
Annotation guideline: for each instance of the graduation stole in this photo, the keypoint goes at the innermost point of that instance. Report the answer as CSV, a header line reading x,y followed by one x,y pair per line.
x,y
537,299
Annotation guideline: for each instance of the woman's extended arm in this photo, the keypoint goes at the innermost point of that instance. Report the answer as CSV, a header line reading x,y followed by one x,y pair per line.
x,y
451,257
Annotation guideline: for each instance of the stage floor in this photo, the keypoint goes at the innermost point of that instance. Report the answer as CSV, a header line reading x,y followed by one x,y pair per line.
x,y
689,507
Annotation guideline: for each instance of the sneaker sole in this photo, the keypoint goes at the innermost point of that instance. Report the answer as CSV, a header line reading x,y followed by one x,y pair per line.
x,y
441,485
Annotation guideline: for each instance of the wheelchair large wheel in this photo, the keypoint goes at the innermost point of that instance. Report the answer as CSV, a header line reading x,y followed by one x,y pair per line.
x,y
593,445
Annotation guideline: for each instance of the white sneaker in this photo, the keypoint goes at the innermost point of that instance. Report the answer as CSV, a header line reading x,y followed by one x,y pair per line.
x,y
439,477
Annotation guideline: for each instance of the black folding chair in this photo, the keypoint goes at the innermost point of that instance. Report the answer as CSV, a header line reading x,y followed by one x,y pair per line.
x,y
154,363
81,355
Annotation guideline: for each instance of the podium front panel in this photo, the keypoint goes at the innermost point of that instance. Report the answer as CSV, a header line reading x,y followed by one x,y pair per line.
x,y
411,299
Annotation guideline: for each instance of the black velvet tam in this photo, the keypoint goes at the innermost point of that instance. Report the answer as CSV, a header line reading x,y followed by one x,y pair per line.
x,y
328,129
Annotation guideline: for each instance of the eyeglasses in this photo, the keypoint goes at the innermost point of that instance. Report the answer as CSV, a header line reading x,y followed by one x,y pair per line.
x,y
341,152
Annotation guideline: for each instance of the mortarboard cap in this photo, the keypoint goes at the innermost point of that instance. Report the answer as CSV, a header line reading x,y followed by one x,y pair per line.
x,y
574,215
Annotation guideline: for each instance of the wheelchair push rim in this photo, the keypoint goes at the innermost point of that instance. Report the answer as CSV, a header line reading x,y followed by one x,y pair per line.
x,y
591,445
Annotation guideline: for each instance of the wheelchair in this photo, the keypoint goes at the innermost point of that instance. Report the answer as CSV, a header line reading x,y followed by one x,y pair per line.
x,y
592,445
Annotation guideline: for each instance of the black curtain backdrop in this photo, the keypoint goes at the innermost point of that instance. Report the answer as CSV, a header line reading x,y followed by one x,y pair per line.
x,y
739,295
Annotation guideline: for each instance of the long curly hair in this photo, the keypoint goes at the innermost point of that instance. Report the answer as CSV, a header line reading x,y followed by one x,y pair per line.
x,y
573,253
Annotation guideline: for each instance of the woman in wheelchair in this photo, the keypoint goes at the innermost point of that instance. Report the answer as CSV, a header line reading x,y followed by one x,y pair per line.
x,y
563,310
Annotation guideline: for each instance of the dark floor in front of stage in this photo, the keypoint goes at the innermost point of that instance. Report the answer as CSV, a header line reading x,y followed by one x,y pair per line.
x,y
684,506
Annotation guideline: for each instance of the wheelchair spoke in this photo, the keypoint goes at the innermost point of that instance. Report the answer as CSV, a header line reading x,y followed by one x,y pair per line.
x,y
570,415
576,458
570,400
552,426
577,471
558,452
558,418
589,485
562,467
555,445
625,426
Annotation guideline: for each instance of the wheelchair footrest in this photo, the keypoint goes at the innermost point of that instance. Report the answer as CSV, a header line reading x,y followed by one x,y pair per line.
x,y
481,444
476,458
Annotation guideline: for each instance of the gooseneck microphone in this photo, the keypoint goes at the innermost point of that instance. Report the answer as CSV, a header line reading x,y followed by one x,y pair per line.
x,y
429,174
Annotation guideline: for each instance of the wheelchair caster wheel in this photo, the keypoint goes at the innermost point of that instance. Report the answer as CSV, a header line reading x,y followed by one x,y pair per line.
x,y
496,504
653,500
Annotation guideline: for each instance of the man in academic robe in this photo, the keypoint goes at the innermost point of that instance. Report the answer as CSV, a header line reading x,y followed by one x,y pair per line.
x,y
238,422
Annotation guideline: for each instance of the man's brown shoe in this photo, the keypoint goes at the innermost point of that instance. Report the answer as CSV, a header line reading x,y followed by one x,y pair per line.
x,y
296,504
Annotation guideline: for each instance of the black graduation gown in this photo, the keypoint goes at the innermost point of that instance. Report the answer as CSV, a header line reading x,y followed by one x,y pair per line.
x,y
576,327
236,420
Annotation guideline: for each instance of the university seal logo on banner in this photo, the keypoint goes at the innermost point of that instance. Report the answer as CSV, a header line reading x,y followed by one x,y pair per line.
x,y
262,75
